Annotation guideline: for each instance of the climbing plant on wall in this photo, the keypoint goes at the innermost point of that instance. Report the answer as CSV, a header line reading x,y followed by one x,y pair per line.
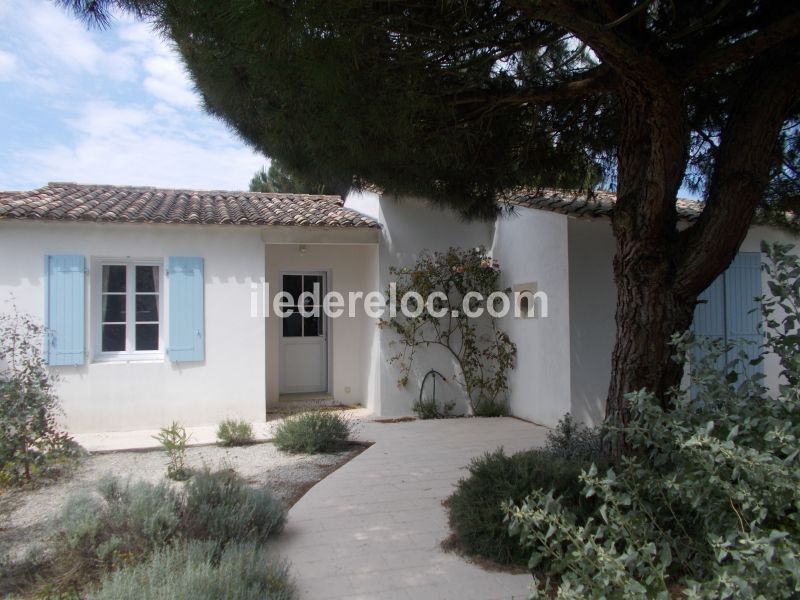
x,y
445,293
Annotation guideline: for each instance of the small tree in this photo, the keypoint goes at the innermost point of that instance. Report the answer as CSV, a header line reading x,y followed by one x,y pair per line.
x,y
31,439
482,351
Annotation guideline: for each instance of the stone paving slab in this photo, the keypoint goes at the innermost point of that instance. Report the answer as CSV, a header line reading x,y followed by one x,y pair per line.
x,y
373,528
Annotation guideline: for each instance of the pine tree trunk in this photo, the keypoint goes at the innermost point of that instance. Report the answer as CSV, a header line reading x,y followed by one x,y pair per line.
x,y
652,156
648,313
659,270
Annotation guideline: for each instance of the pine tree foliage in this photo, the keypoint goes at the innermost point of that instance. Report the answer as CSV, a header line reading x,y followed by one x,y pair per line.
x,y
279,180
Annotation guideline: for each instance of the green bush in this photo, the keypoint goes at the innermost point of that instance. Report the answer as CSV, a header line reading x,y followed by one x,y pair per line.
x,y
313,432
489,407
221,507
123,523
243,571
126,522
31,443
571,439
430,409
233,432
708,500
477,517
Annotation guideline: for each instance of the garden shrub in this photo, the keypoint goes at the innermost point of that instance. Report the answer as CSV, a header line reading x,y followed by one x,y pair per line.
x,y
571,439
221,507
707,502
431,409
174,440
243,571
313,432
477,517
31,442
123,523
234,432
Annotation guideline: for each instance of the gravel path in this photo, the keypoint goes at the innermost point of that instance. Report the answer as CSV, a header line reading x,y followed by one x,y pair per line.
x,y
26,516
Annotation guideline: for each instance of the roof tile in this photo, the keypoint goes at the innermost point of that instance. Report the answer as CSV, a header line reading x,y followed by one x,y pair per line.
x,y
598,204
105,203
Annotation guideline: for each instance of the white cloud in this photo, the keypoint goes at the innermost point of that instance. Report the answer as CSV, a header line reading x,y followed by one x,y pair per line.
x,y
104,120
8,65
63,39
167,80
118,107
130,146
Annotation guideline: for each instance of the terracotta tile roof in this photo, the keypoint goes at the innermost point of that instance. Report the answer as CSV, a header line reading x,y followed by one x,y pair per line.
x,y
600,204
114,204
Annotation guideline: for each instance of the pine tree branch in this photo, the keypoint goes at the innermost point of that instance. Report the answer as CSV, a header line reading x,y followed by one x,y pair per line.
x,y
613,49
595,81
752,46
742,169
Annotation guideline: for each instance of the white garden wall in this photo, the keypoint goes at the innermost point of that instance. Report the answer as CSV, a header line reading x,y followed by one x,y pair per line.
x,y
593,298
133,395
410,226
531,247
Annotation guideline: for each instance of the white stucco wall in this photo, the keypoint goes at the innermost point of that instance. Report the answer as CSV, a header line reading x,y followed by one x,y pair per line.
x,y
350,267
592,306
410,226
135,395
593,298
531,247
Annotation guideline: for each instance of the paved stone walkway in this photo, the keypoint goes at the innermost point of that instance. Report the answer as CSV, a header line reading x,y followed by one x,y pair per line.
x,y
373,528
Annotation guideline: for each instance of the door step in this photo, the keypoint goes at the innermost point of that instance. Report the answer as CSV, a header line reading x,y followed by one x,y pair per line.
x,y
306,400
293,403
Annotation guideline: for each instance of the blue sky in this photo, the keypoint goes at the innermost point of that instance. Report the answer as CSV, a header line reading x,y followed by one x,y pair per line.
x,y
108,106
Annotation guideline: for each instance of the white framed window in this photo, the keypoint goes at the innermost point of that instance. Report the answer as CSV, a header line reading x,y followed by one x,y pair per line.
x,y
127,319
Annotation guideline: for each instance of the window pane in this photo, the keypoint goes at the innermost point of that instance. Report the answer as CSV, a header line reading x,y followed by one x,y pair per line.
x,y
113,308
114,278
293,284
113,338
312,327
147,337
146,307
292,325
146,278
309,281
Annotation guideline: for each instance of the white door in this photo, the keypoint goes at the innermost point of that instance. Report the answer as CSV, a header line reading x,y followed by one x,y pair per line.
x,y
304,335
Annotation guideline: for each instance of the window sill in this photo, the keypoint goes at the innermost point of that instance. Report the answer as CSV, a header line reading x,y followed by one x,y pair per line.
x,y
155,357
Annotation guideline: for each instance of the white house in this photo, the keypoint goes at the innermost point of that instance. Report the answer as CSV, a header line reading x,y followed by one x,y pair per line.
x,y
155,299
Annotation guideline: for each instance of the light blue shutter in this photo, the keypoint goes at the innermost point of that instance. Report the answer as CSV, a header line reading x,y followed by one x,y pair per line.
x,y
186,313
709,317
64,310
743,315
731,311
